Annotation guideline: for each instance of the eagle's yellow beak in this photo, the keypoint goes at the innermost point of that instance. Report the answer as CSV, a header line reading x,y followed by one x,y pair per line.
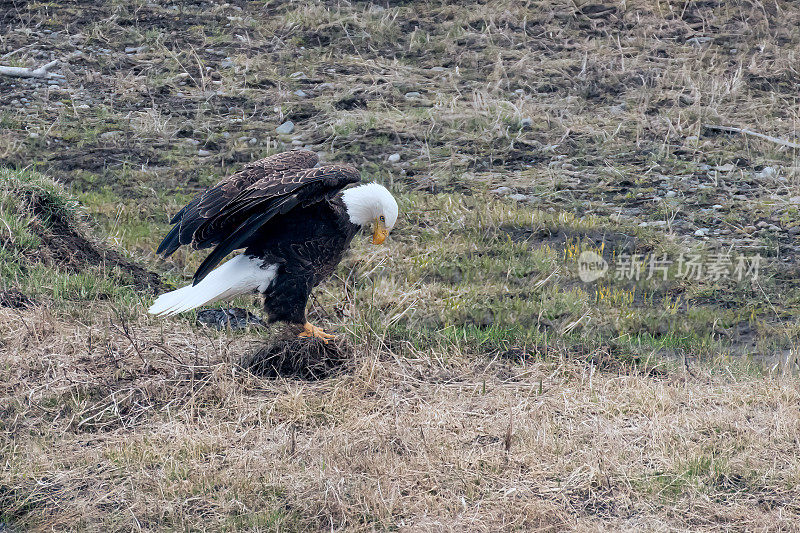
x,y
380,233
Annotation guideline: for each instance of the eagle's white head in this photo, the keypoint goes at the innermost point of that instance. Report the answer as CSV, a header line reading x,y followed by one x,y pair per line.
x,y
372,204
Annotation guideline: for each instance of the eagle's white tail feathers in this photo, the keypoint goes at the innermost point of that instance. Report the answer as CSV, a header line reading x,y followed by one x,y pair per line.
x,y
240,275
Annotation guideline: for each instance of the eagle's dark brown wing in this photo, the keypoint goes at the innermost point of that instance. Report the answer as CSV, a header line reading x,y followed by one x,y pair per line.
x,y
207,204
256,205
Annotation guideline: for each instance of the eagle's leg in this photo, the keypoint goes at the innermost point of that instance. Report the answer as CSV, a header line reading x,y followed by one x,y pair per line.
x,y
310,330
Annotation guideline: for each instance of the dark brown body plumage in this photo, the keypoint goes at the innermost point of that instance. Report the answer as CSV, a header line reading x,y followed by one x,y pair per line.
x,y
280,209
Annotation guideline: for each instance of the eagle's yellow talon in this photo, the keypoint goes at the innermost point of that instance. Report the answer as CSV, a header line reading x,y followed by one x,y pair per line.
x,y
310,330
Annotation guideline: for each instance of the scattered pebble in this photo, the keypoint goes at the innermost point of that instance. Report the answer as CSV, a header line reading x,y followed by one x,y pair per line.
x,y
33,135
136,49
299,75
526,123
297,142
671,194
502,190
233,318
749,229
767,173
286,128
698,41
716,206
762,224
110,135
702,232
413,94
617,110
252,141
686,99
203,153
518,197
394,158
301,93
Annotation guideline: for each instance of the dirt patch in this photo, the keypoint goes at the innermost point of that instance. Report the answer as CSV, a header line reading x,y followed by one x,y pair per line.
x,y
66,247
290,356
14,299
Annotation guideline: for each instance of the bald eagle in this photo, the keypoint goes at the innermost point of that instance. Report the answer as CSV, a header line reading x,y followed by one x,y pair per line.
x,y
293,221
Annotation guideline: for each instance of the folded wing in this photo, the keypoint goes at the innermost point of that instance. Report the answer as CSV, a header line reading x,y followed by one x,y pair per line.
x,y
208,203
266,199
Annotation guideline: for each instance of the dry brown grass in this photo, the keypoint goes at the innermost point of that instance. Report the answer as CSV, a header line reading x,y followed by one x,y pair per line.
x,y
489,389
119,425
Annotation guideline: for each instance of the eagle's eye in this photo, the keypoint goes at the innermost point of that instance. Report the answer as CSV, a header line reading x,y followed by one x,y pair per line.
x,y
383,218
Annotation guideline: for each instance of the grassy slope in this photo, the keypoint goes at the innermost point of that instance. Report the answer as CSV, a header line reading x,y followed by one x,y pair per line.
x,y
472,317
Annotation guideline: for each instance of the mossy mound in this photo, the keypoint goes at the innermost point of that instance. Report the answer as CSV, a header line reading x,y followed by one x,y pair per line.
x,y
46,247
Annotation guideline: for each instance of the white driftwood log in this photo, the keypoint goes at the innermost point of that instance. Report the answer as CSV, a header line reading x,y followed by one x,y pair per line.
x,y
25,72
743,131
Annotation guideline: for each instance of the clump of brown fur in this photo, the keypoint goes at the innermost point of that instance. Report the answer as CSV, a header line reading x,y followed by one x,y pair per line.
x,y
288,355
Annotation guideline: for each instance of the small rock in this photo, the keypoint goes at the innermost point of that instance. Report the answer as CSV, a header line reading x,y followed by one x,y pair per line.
x,y
526,123
698,41
773,227
297,142
33,135
203,153
233,317
749,229
794,200
110,135
716,206
301,93
226,63
502,190
767,173
518,197
394,158
671,194
794,231
84,107
438,69
762,224
286,128
299,75
727,167
413,94
702,232
686,99
252,141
